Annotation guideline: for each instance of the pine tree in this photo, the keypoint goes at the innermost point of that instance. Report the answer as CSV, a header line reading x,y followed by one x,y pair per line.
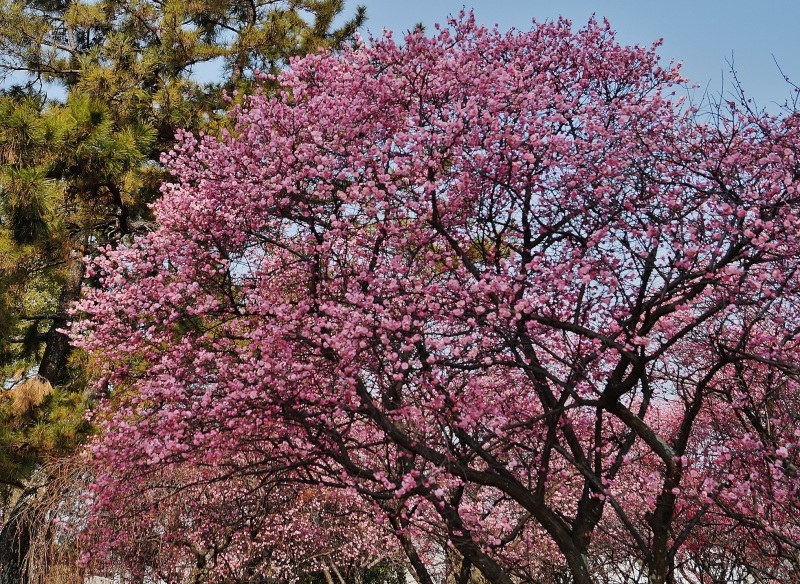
x,y
93,93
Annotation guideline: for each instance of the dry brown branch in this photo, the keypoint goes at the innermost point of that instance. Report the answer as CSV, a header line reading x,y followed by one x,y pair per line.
x,y
55,517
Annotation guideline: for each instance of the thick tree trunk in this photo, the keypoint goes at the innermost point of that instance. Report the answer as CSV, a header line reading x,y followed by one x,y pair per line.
x,y
465,572
660,570
578,567
57,349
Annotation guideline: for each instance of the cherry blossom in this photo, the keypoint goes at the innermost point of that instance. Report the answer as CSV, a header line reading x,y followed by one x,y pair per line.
x,y
507,293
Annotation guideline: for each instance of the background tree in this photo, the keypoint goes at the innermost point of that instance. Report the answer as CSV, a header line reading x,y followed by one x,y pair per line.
x,y
507,286
78,171
188,527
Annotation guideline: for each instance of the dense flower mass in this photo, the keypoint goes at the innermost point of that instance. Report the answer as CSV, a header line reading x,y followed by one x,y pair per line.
x,y
501,295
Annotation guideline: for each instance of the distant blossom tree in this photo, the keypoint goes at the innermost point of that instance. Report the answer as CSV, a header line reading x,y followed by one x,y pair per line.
x,y
506,286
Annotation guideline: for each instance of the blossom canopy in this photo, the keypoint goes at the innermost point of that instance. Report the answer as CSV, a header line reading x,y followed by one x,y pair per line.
x,y
507,288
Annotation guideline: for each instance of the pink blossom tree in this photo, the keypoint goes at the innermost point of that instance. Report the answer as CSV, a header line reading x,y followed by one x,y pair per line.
x,y
507,287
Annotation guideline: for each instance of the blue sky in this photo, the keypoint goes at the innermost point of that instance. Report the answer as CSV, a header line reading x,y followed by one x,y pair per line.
x,y
702,34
